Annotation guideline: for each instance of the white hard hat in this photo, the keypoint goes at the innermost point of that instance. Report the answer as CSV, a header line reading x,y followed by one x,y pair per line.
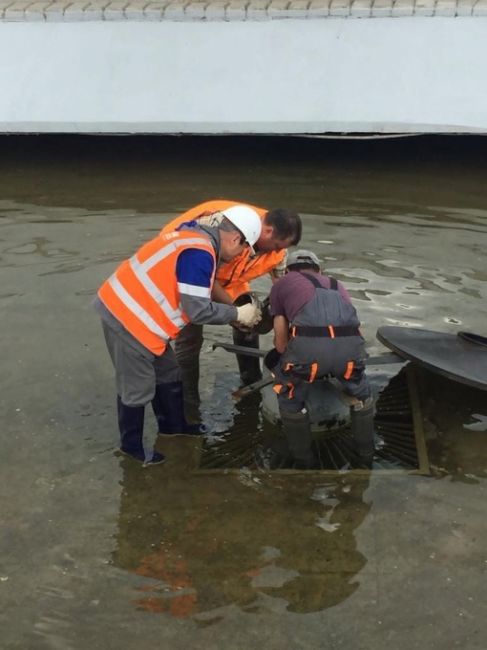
x,y
302,256
246,220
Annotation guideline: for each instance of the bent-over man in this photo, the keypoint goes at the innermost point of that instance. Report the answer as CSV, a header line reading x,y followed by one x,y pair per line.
x,y
316,332
280,229
149,299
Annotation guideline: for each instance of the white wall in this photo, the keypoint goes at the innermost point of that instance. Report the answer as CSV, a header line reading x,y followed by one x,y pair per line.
x,y
280,76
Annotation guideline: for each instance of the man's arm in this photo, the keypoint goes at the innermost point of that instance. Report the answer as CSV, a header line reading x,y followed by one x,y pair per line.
x,y
281,333
218,294
194,271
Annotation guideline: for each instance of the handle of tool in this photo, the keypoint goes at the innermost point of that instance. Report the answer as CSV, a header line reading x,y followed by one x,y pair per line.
x,y
252,388
241,349
381,359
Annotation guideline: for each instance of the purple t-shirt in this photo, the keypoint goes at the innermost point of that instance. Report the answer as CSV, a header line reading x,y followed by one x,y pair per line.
x,y
291,293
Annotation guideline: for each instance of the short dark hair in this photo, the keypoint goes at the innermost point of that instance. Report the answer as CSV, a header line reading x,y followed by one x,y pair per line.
x,y
285,223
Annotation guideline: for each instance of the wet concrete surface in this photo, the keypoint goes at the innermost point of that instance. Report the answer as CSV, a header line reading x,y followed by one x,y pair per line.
x,y
98,553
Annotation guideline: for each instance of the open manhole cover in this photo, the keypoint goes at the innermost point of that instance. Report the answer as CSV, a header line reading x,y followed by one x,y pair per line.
x,y
400,443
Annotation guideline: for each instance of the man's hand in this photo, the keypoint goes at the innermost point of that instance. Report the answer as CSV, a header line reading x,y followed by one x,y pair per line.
x,y
248,315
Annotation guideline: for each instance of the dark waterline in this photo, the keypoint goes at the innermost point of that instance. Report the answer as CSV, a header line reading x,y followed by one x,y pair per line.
x,y
151,173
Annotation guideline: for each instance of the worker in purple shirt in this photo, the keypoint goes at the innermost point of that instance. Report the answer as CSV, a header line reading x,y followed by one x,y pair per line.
x,y
316,335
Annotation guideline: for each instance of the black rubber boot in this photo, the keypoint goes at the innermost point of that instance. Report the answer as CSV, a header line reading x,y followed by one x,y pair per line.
x,y
190,374
168,406
249,367
362,421
131,426
187,348
297,431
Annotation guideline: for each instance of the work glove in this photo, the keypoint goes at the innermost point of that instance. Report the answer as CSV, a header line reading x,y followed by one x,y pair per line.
x,y
272,358
248,315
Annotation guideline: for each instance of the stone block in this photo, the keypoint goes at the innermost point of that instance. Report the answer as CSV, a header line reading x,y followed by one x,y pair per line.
x,y
74,12
135,10
216,10
16,11
465,7
339,8
277,8
154,10
195,10
424,8
361,9
402,8
115,10
35,11
298,5
319,8
382,8
54,12
93,11
480,8
446,8
298,9
174,11
236,10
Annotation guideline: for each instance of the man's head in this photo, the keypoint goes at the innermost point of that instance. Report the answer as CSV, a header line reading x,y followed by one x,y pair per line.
x,y
280,229
240,227
302,260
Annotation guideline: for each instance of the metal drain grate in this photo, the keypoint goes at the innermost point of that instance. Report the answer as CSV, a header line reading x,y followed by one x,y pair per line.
x,y
399,424
400,443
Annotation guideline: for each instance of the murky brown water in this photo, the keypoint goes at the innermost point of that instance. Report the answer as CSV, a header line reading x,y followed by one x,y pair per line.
x,y
97,553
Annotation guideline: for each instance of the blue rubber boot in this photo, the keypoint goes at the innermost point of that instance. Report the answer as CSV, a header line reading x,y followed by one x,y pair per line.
x,y
168,406
131,426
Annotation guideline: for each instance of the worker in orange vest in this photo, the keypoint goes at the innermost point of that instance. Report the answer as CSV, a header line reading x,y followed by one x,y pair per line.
x,y
149,299
280,229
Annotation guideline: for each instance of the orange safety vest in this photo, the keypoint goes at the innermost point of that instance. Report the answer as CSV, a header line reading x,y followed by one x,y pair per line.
x,y
234,276
143,292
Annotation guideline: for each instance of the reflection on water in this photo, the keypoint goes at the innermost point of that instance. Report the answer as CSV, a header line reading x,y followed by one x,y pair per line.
x,y
456,425
403,226
208,541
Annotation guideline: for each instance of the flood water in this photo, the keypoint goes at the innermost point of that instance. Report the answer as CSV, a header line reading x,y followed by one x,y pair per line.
x,y
99,553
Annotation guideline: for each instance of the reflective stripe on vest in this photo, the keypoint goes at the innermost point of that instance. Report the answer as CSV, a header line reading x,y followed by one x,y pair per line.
x,y
143,293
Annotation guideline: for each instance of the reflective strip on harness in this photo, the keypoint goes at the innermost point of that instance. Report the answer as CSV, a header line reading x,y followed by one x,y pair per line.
x,y
332,331
349,370
312,374
278,388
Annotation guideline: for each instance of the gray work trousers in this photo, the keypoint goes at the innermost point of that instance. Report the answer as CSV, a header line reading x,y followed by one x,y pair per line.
x,y
137,372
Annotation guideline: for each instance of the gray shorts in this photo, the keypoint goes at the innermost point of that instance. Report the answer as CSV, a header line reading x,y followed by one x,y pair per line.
x,y
138,371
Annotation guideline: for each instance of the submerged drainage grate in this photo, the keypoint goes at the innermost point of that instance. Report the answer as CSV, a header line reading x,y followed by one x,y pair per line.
x,y
399,424
400,443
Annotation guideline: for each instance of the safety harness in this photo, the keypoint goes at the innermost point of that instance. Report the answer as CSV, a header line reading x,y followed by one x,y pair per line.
x,y
328,331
